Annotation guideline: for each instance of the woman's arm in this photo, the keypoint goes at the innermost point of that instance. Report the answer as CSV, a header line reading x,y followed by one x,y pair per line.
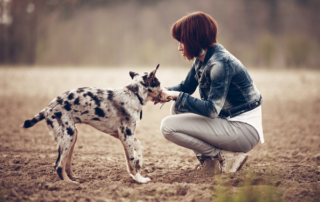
x,y
220,76
189,85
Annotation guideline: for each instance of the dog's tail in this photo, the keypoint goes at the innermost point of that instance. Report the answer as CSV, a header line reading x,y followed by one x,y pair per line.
x,y
38,117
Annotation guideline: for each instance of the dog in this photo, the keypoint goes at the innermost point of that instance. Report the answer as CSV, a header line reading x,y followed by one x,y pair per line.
x,y
112,111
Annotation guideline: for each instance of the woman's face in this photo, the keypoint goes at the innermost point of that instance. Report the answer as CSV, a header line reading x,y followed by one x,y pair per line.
x,y
181,48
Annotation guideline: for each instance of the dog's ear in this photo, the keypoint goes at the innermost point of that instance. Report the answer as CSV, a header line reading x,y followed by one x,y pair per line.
x,y
133,74
153,72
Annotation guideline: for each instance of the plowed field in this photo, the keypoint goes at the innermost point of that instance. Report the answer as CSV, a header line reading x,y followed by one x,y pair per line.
x,y
288,163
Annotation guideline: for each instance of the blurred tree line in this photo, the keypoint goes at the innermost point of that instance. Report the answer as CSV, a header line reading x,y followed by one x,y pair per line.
x,y
267,33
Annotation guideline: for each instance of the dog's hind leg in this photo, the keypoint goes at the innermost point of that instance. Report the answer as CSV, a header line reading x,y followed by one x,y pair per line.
x,y
65,146
61,169
65,134
57,130
60,164
69,160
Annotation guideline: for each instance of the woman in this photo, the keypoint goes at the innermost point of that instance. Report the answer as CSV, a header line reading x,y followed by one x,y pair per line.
x,y
225,123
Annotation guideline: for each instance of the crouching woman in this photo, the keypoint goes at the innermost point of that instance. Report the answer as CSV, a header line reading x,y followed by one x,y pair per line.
x,y
226,122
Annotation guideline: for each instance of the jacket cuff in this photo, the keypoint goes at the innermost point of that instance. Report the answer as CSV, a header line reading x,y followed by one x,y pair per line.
x,y
181,99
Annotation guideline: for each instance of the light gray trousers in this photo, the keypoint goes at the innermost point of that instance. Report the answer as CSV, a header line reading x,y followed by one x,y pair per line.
x,y
206,136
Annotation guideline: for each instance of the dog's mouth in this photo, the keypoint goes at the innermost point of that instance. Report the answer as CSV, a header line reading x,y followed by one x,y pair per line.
x,y
157,97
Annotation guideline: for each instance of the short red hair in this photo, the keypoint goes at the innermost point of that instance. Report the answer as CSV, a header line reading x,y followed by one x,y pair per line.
x,y
195,31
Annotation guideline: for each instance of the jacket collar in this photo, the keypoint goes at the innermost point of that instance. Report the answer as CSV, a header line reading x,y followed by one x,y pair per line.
x,y
209,54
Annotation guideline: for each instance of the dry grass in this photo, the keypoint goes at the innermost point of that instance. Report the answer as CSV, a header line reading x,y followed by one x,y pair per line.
x,y
287,163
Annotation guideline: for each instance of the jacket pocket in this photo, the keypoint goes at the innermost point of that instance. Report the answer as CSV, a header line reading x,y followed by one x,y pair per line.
x,y
196,77
204,85
204,82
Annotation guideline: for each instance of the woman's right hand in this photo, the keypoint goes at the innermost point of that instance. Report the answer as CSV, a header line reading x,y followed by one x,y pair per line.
x,y
166,96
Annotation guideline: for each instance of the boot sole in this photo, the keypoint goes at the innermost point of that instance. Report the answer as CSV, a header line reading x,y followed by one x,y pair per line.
x,y
243,162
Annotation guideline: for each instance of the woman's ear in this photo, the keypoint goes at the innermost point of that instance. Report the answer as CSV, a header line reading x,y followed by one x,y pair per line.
x,y
133,74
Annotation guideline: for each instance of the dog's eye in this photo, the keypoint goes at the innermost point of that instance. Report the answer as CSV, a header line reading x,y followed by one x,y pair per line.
x,y
145,85
150,90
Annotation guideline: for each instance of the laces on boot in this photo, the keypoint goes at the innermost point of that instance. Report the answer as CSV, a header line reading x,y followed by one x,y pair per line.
x,y
223,163
203,162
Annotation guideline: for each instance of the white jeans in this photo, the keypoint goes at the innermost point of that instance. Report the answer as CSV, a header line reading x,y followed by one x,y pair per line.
x,y
206,136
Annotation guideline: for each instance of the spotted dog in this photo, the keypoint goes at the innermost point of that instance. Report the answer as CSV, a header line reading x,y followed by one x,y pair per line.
x,y
112,111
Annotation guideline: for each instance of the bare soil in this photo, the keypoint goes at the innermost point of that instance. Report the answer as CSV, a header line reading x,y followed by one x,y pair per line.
x,y
288,161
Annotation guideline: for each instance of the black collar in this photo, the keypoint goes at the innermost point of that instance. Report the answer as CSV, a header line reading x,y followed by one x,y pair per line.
x,y
138,96
136,93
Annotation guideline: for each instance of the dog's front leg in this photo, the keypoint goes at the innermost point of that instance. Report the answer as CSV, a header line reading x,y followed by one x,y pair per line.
x,y
138,150
126,136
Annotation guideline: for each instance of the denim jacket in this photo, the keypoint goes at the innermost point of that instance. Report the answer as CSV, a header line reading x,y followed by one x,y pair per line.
x,y
225,86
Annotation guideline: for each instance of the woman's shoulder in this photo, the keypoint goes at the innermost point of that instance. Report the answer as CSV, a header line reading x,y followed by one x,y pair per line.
x,y
223,56
220,54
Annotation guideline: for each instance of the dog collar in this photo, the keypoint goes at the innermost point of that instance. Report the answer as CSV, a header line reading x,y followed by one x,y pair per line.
x,y
138,96
136,93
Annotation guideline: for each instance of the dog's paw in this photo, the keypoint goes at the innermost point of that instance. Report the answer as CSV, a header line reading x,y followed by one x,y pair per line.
x,y
73,176
71,181
141,179
75,182
145,180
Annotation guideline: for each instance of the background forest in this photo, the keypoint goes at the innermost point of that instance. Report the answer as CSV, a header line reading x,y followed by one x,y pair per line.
x,y
261,33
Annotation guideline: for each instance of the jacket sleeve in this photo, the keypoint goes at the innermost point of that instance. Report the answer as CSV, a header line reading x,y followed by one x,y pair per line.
x,y
220,78
189,85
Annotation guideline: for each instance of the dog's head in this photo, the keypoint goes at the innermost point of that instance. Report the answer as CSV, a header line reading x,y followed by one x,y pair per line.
x,y
149,81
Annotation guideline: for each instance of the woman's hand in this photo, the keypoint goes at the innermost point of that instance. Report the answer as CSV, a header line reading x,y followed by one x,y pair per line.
x,y
166,95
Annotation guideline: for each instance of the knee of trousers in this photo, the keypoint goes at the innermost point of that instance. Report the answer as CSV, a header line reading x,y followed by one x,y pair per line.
x,y
166,128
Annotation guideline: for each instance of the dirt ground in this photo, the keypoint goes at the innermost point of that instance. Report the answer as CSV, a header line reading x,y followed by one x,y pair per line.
x,y
288,162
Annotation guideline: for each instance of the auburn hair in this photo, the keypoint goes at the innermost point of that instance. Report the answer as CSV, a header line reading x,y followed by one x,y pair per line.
x,y
195,31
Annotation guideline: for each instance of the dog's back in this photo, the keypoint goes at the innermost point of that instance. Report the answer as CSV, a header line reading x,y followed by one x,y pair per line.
x,y
104,109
